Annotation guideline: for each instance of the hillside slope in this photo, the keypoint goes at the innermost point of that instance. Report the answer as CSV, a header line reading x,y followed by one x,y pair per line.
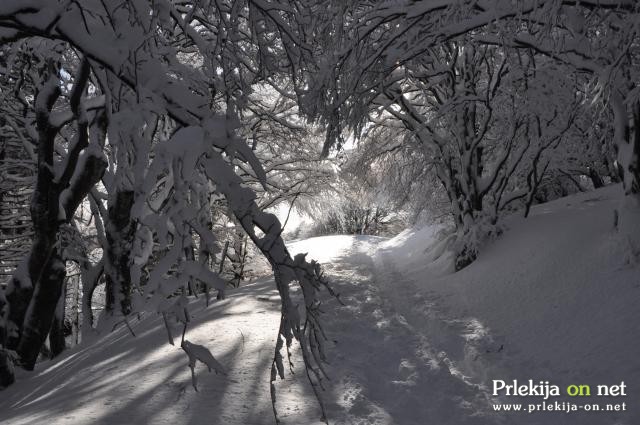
x,y
555,299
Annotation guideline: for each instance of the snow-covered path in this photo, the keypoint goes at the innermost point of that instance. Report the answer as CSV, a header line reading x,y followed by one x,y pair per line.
x,y
394,364
383,369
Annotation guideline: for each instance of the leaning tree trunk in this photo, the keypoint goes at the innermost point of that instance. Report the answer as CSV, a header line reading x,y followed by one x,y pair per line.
x,y
39,316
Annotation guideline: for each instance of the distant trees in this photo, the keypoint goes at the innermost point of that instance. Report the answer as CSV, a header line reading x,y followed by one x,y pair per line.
x,y
352,205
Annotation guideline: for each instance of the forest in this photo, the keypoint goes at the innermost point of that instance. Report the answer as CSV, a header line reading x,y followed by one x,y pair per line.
x,y
160,157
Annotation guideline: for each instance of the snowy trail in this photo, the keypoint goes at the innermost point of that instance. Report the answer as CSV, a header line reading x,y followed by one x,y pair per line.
x,y
459,344
395,366
384,369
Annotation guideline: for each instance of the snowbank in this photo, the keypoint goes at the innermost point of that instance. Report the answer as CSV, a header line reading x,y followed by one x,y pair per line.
x,y
555,299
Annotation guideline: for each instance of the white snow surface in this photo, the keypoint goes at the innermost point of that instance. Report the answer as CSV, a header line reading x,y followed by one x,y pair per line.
x,y
553,299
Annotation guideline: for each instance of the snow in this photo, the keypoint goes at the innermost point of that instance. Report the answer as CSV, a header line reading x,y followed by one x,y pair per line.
x,y
552,299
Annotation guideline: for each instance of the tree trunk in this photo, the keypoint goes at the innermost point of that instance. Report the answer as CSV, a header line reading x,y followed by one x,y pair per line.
x,y
634,160
221,292
595,178
628,144
56,334
119,233
25,281
90,278
6,370
41,311
45,264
